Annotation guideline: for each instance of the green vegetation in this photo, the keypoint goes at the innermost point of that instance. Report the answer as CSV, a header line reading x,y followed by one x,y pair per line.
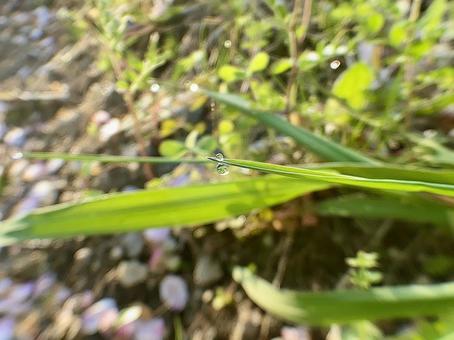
x,y
358,84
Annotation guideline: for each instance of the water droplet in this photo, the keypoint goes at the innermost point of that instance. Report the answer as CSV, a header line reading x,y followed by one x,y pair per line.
x,y
334,64
227,44
219,156
155,87
222,169
193,87
17,155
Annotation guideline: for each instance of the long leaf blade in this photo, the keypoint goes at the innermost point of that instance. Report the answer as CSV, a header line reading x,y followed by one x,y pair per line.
x,y
319,145
343,306
387,207
395,184
390,171
172,207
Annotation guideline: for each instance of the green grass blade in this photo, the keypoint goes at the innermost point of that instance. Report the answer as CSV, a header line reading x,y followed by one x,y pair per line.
x,y
319,145
434,105
108,158
395,183
343,306
170,207
387,207
389,171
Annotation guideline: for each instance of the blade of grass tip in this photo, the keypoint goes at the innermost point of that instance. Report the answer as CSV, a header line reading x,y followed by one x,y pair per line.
x,y
319,145
172,207
108,158
336,178
389,171
344,306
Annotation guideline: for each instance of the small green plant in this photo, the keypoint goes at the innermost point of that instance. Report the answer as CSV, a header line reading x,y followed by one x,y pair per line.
x,y
361,273
222,298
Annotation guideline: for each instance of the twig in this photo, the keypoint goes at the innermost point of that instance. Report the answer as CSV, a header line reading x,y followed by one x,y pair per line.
x,y
138,135
283,261
278,278
415,10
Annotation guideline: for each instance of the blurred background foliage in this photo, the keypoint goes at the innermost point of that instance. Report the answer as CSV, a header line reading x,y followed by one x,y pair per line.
x,y
372,75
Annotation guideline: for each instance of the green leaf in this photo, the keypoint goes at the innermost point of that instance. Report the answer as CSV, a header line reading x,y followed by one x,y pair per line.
x,y
258,63
208,144
398,33
344,306
441,329
171,148
173,207
430,23
361,330
418,49
363,260
319,145
281,66
352,84
433,105
433,152
394,183
230,73
371,20
375,22
387,207
390,171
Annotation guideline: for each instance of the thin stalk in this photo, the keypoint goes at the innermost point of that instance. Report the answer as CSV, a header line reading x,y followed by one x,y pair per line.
x,y
138,135
287,244
110,158
409,67
291,96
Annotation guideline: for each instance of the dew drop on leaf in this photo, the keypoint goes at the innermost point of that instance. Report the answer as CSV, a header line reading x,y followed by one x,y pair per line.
x,y
219,156
222,169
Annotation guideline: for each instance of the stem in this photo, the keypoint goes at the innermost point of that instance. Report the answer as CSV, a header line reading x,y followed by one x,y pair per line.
x,y
109,158
138,135
291,96
287,244
415,10
409,67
